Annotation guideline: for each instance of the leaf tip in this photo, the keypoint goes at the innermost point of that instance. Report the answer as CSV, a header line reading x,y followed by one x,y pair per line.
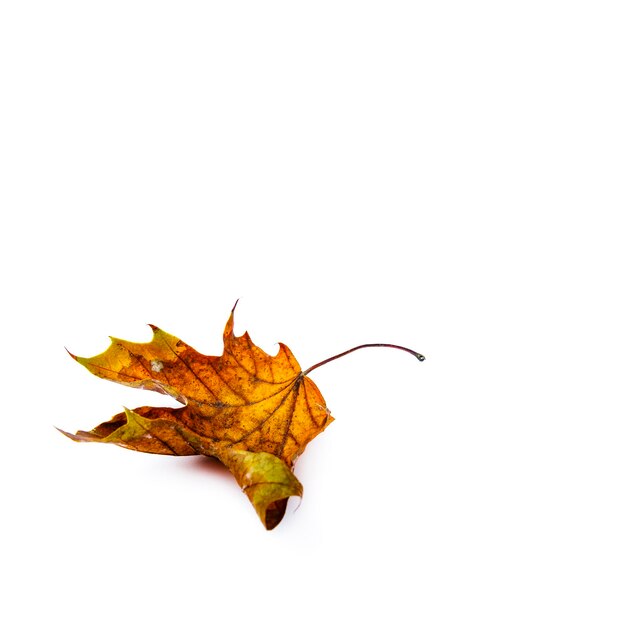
x,y
68,434
131,415
73,356
230,324
155,330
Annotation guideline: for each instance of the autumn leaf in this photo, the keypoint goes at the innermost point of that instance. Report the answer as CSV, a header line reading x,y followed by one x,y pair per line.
x,y
252,411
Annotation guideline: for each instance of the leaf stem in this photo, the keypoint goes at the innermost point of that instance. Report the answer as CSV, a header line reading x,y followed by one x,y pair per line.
x,y
417,355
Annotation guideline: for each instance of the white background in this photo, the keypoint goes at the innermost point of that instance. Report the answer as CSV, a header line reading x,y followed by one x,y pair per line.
x,y
444,175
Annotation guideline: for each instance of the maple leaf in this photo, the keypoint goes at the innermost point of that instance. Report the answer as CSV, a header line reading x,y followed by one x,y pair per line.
x,y
252,411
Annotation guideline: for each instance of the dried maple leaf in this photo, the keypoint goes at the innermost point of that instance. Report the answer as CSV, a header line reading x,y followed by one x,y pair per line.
x,y
252,411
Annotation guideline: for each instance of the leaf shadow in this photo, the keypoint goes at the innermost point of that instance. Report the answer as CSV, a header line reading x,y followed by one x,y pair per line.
x,y
206,464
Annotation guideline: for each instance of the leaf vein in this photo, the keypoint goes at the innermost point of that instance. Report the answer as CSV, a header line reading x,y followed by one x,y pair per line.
x,y
264,421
